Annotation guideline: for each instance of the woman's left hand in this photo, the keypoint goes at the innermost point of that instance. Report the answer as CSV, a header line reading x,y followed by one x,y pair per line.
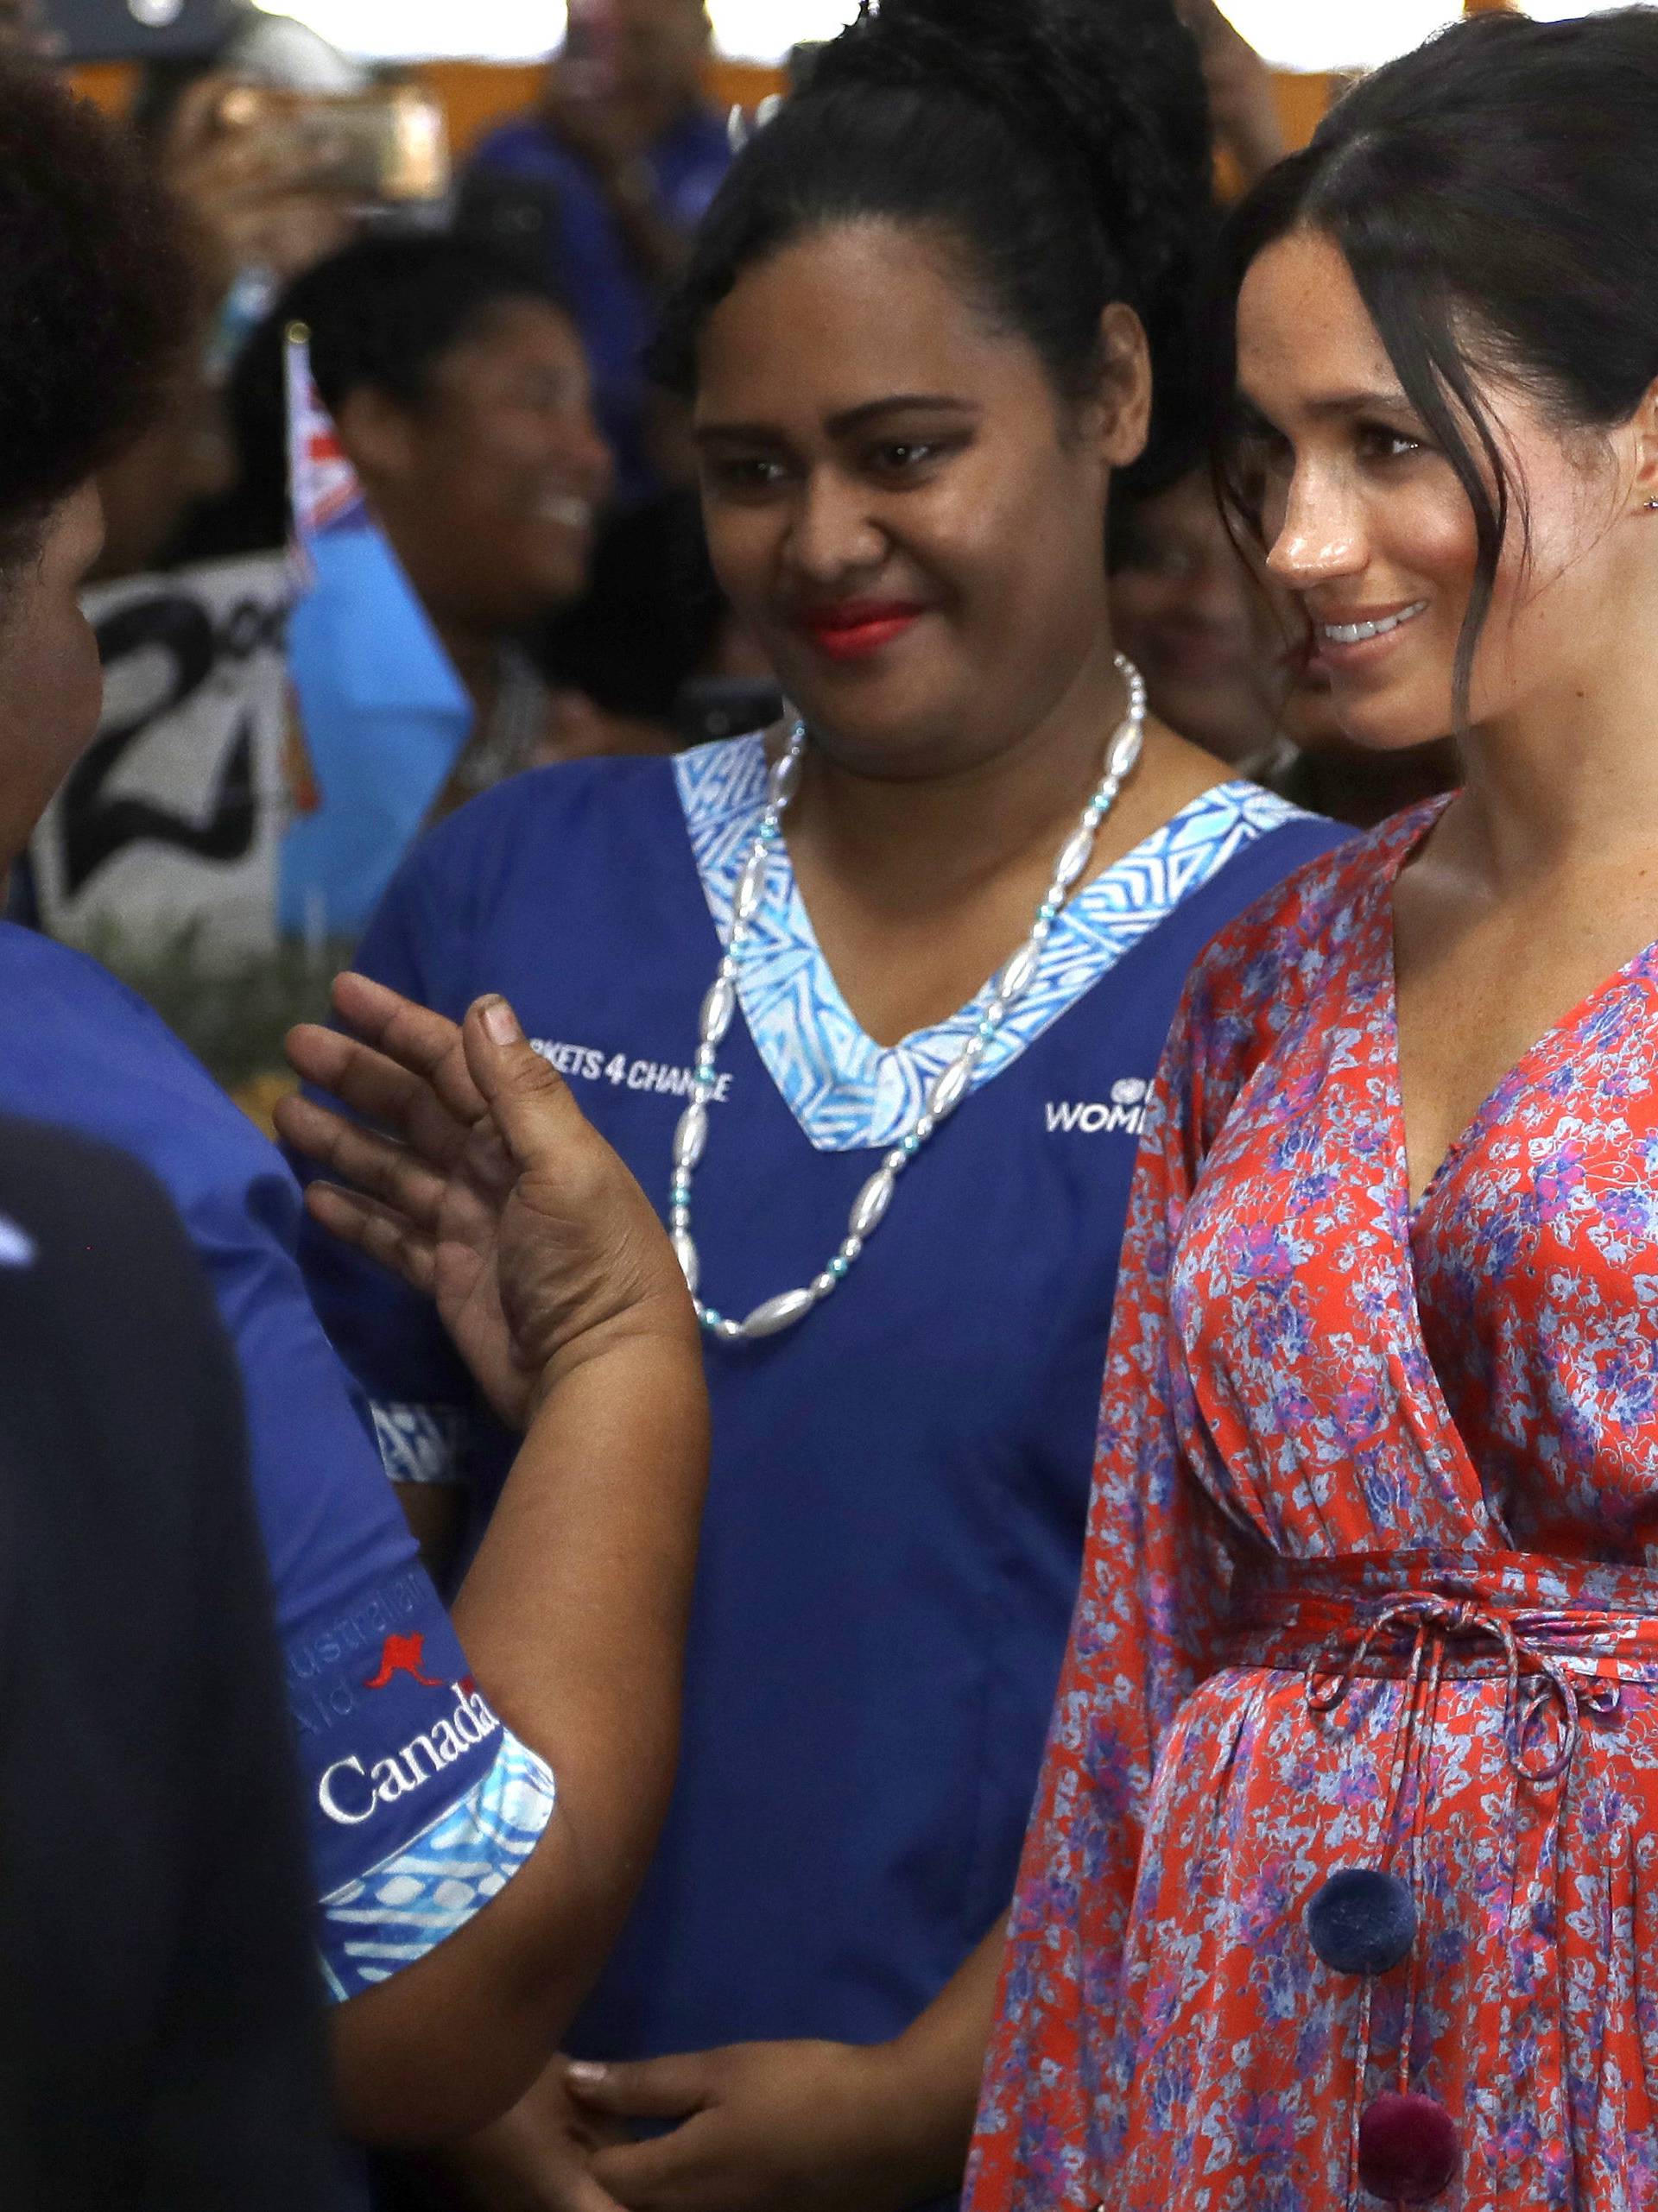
x,y
538,2159
764,2127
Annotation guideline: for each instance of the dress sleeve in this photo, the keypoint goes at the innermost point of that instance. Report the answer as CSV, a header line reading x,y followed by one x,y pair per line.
x,y
1155,1560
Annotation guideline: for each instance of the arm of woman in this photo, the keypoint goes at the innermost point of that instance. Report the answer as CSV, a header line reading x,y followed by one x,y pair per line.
x,y
559,1286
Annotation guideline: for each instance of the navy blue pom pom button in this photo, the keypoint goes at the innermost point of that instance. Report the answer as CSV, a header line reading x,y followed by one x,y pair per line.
x,y
1407,2150
1362,1921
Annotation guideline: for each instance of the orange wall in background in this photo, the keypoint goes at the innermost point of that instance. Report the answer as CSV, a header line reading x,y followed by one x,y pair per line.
x,y
107,83
1301,103
477,94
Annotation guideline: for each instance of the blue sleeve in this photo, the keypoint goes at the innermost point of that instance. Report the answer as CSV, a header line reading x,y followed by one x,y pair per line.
x,y
420,1806
423,1405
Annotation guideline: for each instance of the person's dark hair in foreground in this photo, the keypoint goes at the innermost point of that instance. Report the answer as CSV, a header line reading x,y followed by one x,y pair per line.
x,y
100,296
481,1790
161,2041
995,134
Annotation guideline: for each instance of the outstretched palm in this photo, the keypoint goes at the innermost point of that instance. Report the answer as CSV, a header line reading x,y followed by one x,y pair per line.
x,y
472,1172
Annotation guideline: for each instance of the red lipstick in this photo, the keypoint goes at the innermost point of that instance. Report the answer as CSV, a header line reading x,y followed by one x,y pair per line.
x,y
853,629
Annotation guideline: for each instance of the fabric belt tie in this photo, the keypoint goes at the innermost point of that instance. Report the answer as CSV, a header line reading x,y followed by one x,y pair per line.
x,y
1562,1636
1436,1621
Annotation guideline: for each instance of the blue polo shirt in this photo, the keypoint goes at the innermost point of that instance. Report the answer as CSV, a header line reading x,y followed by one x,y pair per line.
x,y
895,1517
421,1805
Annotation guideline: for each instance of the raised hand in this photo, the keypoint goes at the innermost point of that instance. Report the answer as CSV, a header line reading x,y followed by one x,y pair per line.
x,y
471,1171
265,194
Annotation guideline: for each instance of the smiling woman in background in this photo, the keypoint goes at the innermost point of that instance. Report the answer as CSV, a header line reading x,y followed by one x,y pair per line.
x,y
462,398
1342,1871
1185,607
872,1007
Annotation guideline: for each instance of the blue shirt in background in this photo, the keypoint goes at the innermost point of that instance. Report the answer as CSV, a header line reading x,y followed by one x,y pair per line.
x,y
593,270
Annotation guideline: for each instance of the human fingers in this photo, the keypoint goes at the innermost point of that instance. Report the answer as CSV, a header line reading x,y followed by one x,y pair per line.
x,y
426,1043
681,2172
532,1106
241,165
375,1230
515,2167
645,2088
377,1089
578,2191
376,1166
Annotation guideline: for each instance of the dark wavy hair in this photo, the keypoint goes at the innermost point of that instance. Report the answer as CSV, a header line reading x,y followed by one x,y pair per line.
x,y
1495,194
98,298
1062,146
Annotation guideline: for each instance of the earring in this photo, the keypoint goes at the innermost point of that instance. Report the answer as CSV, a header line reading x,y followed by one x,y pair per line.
x,y
1652,507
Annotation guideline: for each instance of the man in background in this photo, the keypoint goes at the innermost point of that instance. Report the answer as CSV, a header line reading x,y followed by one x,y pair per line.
x,y
611,174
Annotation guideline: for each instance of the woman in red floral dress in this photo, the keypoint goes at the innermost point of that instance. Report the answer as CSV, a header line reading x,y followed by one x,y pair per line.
x,y
1343,1883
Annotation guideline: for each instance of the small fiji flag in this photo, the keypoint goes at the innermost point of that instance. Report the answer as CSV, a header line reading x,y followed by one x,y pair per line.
x,y
382,716
324,493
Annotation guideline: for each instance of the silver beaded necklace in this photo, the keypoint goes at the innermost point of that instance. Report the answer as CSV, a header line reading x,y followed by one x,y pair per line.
x,y
719,1009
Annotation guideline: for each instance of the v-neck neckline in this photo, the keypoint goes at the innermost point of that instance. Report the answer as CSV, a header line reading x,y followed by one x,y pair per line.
x,y
946,1034
849,1093
1414,832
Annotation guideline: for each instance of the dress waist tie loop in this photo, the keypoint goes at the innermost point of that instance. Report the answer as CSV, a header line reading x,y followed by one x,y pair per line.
x,y
1462,1625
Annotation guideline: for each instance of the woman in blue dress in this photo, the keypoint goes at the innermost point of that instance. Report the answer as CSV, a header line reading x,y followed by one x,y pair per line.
x,y
919,335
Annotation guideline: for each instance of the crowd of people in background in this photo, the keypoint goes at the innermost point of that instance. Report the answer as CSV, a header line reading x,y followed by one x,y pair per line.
x,y
543,592
977,731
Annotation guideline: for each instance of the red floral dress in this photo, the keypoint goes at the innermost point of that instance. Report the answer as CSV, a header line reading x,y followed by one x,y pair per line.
x,y
1372,1586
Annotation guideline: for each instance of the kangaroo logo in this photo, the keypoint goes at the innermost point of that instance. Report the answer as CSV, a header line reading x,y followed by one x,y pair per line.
x,y
402,1655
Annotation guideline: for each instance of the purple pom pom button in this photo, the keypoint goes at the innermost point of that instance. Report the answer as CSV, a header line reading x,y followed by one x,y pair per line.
x,y
1407,2150
1362,1921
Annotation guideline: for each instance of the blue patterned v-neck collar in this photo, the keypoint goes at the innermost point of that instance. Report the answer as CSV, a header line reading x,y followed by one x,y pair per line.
x,y
850,1094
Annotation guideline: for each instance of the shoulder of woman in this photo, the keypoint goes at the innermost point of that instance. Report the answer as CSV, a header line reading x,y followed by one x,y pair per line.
x,y
1264,963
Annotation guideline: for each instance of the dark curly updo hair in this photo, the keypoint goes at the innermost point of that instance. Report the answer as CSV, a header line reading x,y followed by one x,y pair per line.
x,y
1062,146
98,298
